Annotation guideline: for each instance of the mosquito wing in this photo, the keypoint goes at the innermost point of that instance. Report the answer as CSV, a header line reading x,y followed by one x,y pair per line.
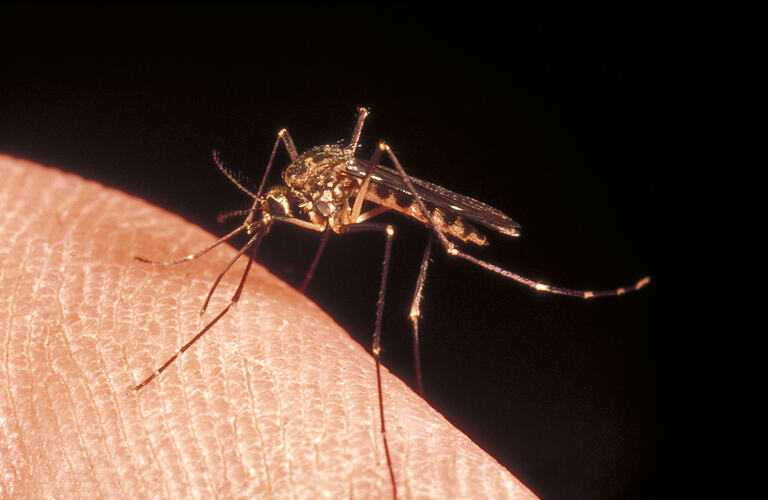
x,y
432,194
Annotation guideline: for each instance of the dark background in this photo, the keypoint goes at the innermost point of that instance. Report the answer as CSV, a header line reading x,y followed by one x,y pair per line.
x,y
555,117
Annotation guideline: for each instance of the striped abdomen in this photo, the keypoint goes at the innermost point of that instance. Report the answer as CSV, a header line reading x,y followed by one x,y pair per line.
x,y
448,222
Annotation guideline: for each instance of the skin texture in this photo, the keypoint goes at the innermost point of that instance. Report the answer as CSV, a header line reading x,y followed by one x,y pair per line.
x,y
276,401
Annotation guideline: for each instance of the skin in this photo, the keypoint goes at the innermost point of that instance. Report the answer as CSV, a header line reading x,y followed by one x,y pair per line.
x,y
276,401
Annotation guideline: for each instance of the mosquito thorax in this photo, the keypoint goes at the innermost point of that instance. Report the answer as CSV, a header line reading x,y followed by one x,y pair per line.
x,y
317,174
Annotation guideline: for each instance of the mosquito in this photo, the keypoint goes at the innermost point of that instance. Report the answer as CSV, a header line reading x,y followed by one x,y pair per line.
x,y
324,191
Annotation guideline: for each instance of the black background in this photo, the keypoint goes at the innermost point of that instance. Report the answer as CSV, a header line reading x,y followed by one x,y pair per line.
x,y
555,117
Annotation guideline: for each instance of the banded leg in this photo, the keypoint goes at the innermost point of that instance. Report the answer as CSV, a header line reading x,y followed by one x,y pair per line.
x,y
253,243
415,313
195,255
255,240
261,228
376,343
451,249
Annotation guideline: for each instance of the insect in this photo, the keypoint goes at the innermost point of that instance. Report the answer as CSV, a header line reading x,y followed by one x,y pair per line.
x,y
325,189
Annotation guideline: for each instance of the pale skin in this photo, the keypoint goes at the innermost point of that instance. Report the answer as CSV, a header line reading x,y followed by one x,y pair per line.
x,y
275,401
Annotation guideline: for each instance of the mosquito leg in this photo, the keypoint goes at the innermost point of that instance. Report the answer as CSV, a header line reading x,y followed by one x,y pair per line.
x,y
298,222
370,214
315,261
196,254
451,249
357,206
362,113
542,287
376,344
207,327
313,227
254,242
390,232
415,313
285,137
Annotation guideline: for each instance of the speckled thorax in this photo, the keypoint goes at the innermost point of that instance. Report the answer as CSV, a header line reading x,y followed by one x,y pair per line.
x,y
318,175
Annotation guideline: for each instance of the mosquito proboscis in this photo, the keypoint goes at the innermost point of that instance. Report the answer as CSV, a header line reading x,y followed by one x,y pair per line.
x,y
324,190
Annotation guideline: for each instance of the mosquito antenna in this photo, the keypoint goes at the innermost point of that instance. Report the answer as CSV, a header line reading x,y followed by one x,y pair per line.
x,y
226,171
